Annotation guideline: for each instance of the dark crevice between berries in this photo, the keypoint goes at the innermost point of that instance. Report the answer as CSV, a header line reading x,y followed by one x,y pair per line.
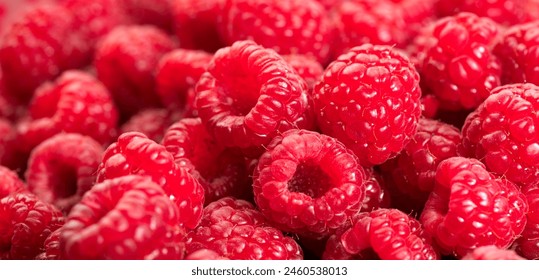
x,y
65,185
310,179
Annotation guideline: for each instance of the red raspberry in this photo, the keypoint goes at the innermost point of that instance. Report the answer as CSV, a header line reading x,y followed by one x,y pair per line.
x,y
52,250
507,12
470,208
287,26
196,24
76,103
376,192
454,57
125,62
62,168
10,182
518,51
492,253
528,244
124,218
385,22
308,183
501,132
10,107
177,74
134,153
152,122
384,234
222,171
308,68
235,230
205,254
25,223
8,144
249,94
369,99
38,47
412,172
152,12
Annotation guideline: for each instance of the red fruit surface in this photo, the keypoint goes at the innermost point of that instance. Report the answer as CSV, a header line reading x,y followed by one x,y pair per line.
x,y
152,12
528,244
492,253
307,67
10,183
507,12
152,122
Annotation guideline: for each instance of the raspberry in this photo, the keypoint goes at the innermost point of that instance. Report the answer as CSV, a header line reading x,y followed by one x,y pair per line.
x,y
287,26
492,253
177,74
10,182
369,99
507,12
25,223
455,60
385,22
308,68
134,153
124,218
222,171
10,107
8,144
152,12
151,122
38,47
196,24
249,95
470,208
51,246
235,230
75,103
308,183
376,192
62,168
385,234
205,254
412,172
528,244
501,132
518,51
125,62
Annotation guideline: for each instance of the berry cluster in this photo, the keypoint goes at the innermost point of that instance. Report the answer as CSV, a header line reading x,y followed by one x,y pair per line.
x,y
269,130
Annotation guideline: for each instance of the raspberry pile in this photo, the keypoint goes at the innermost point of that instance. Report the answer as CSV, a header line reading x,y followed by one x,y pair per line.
x,y
269,130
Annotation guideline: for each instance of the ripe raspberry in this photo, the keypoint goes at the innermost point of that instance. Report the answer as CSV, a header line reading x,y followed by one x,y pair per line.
x,y
125,62
10,107
62,168
507,12
492,253
376,192
412,172
287,26
528,244
469,208
152,122
385,234
196,24
384,22
518,51
134,153
235,230
205,254
222,171
369,99
25,223
75,103
10,183
501,132
176,76
455,60
249,95
308,68
38,47
134,219
152,12
8,144
308,183
52,250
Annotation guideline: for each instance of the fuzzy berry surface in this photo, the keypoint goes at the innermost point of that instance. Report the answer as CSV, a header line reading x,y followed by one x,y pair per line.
x,y
11,183
234,229
369,99
308,183
528,244
470,207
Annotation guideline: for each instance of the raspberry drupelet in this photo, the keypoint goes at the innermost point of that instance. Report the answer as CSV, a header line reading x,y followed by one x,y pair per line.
x,y
308,68
377,194
10,183
308,183
492,253
369,99
528,244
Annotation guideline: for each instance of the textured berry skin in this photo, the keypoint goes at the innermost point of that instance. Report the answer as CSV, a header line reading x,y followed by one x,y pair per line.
x,y
492,253
62,168
10,182
384,234
369,99
308,68
38,47
287,26
205,254
51,247
152,122
125,62
455,60
308,183
376,192
507,12
134,153
501,132
222,171
469,208
518,51
412,172
123,218
234,229
249,95
528,244
176,76
25,223
75,103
